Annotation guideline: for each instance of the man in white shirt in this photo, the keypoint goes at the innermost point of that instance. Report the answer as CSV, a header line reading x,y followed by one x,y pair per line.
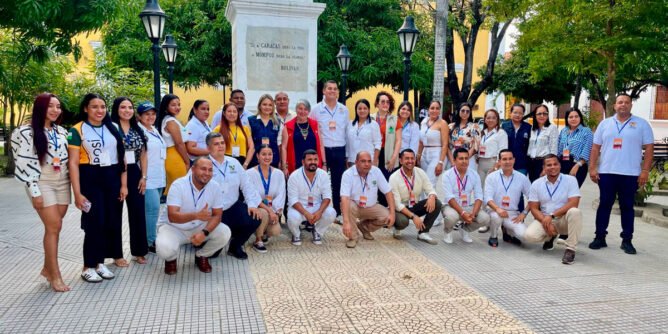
x,y
239,99
503,193
359,200
194,208
333,122
619,141
309,198
408,184
463,194
243,219
283,112
553,200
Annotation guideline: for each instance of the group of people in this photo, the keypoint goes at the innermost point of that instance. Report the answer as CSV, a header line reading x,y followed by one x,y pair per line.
x,y
245,174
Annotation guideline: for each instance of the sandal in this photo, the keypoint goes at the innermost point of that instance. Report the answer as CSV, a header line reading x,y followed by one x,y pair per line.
x,y
121,262
140,259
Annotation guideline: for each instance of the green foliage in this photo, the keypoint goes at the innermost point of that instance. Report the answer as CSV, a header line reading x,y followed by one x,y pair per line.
x,y
645,192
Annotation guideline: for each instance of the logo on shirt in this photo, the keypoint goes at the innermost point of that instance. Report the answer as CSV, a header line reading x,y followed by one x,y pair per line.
x,y
633,124
373,182
526,135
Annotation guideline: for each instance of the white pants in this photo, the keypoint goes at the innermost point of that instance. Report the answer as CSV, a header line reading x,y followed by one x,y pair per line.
x,y
452,217
295,219
171,238
515,230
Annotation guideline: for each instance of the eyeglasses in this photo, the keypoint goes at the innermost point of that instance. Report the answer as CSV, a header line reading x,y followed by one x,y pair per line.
x,y
542,114
465,111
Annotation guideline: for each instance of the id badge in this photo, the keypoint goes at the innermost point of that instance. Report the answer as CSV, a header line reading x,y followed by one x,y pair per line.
x,y
482,150
505,201
130,157
310,201
267,200
236,151
617,144
362,202
56,164
105,159
464,199
411,200
566,154
265,140
332,125
163,153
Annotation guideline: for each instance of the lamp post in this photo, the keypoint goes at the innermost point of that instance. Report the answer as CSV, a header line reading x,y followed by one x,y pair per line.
x,y
153,18
169,49
343,58
408,36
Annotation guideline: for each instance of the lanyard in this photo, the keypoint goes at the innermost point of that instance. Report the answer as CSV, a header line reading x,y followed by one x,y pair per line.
x,y
192,191
410,184
537,135
236,133
509,183
461,185
551,193
363,181
484,138
127,137
205,126
267,183
53,138
331,114
156,136
222,171
619,131
569,135
99,135
360,128
309,185
429,126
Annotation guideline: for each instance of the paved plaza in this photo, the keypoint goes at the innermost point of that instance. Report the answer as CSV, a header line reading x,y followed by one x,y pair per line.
x,y
382,286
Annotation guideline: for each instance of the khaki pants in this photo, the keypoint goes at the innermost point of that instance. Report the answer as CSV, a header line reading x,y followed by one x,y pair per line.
x,y
171,238
484,165
371,218
270,229
570,224
452,217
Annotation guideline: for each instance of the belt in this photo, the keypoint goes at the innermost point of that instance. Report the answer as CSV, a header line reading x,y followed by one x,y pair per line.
x,y
431,146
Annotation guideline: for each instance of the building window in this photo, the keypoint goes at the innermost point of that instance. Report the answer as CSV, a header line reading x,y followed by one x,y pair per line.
x,y
661,103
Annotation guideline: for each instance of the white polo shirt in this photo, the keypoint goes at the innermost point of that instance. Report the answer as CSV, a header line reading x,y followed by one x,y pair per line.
x,y
197,131
232,177
156,153
624,159
218,117
357,187
506,192
300,188
491,143
333,123
183,194
273,187
363,138
462,187
553,196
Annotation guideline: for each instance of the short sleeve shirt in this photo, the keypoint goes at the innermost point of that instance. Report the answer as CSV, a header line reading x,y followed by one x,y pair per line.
x,y
462,187
553,196
332,123
197,131
98,143
184,194
621,144
506,192
357,187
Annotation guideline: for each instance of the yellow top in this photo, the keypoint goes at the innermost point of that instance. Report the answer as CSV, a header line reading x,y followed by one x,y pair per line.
x,y
236,139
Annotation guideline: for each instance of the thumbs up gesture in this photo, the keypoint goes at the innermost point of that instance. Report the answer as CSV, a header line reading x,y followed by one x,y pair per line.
x,y
204,214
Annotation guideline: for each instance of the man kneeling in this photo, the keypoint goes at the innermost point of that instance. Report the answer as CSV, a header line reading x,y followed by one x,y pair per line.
x,y
194,210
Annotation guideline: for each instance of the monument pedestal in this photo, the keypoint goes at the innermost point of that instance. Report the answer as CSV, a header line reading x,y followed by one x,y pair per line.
x,y
274,48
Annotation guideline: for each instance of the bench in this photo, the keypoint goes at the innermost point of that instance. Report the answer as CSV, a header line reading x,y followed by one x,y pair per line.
x,y
660,154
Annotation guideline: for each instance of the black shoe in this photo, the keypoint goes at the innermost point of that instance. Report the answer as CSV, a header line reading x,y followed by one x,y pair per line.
x,y
151,248
216,254
515,241
563,236
569,257
238,253
265,238
506,236
598,243
494,242
549,245
627,246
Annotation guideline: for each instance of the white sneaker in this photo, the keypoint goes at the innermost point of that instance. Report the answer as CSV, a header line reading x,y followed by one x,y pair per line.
x,y
297,241
396,234
426,238
448,238
89,275
465,236
103,271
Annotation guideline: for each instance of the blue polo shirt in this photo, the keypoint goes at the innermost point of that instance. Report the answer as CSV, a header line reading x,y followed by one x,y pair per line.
x,y
518,142
624,159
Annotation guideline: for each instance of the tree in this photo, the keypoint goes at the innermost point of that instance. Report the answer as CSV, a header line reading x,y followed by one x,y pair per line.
x,y
441,23
609,45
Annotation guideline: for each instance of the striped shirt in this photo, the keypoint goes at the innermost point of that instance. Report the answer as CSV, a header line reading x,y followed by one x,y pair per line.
x,y
579,143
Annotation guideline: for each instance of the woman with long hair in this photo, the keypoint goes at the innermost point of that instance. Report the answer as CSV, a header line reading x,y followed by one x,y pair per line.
x,y
99,182
174,134
300,134
265,128
464,133
41,164
493,139
575,143
363,134
136,160
410,129
388,159
433,147
197,129
544,140
238,140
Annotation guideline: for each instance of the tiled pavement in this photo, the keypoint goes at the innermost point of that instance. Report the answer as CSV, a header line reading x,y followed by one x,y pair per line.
x,y
382,286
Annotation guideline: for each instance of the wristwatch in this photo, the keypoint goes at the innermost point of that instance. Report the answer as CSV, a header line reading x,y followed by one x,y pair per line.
x,y
553,216
206,232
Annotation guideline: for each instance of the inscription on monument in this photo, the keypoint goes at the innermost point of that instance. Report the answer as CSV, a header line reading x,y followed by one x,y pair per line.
x,y
277,55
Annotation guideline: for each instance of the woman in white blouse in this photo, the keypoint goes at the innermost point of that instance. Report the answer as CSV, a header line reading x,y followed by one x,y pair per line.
x,y
363,134
493,139
41,164
544,140
270,184
197,129
410,133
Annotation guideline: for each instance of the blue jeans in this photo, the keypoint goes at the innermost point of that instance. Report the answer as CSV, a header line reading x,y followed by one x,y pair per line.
x,y
614,186
152,208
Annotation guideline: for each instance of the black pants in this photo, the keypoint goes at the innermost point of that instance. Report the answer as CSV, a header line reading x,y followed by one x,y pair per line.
x,y
615,186
136,213
336,161
419,209
102,224
381,165
240,223
581,175
535,168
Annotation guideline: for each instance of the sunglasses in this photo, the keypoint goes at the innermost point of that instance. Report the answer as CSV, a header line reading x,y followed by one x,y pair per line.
x,y
465,111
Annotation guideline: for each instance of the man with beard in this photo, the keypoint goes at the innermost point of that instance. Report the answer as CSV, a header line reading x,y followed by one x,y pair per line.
x,y
239,99
309,198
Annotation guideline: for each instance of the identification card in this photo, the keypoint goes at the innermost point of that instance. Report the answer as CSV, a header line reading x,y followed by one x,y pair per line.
x,y
332,125
236,151
163,153
105,159
311,201
505,201
362,202
464,199
566,154
617,144
56,164
411,200
267,200
482,150
130,157
265,140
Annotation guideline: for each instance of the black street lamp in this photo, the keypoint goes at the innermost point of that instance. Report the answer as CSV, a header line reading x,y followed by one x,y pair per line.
x,y
408,36
169,49
153,18
343,58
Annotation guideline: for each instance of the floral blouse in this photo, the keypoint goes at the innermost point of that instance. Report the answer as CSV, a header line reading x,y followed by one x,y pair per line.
x,y
467,137
132,141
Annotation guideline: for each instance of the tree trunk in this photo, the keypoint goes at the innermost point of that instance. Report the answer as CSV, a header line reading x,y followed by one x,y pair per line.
x,y
578,92
612,72
441,18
